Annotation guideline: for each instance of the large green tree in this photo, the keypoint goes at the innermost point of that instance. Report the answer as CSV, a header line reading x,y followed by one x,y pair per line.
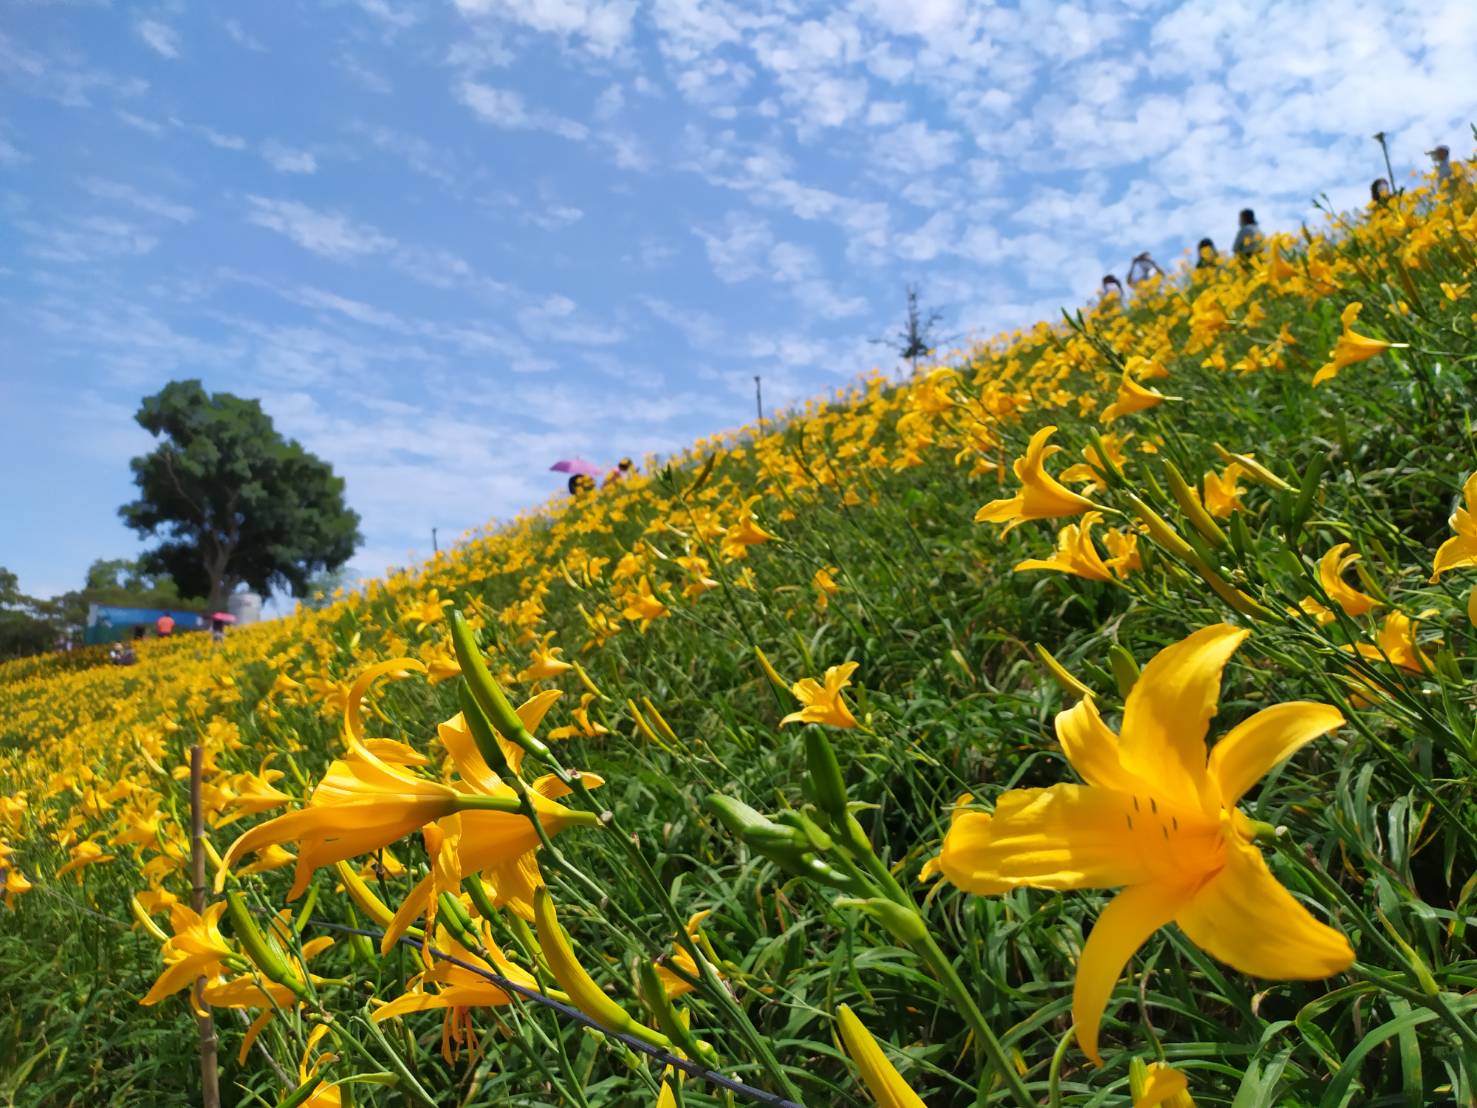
x,y
23,628
232,500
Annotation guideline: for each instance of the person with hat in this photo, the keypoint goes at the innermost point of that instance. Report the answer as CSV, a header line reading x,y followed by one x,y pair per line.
x,y
1441,159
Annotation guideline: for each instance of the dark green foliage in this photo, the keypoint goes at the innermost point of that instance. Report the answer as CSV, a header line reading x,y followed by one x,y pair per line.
x,y
232,499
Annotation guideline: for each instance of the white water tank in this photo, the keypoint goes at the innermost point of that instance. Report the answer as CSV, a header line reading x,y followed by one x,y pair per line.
x,y
245,606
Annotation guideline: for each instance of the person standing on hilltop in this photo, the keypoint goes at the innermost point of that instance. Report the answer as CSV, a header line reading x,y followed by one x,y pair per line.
x,y
1248,242
1142,268
1441,161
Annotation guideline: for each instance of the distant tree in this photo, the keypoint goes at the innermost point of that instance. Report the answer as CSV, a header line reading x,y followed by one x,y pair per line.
x,y
916,339
116,582
233,501
23,629
325,587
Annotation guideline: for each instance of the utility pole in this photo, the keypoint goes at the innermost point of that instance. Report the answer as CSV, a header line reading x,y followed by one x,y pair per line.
x,y
434,548
758,400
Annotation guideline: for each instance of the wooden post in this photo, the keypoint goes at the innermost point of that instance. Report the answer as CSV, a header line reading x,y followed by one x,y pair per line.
x,y
210,1093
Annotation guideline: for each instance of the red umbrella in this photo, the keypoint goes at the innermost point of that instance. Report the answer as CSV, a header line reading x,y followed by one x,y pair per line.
x,y
577,465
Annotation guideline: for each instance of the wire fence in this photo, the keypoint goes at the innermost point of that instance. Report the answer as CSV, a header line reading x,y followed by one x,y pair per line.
x,y
574,1015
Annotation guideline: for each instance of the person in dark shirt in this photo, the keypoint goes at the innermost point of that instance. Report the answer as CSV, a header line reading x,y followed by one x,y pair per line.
x,y
1249,240
1205,255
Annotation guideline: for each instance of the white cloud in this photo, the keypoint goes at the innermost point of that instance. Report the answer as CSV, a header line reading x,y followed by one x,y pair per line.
x,y
930,240
139,123
737,252
241,36
610,102
389,14
603,27
914,147
87,239
555,319
148,202
159,37
507,109
284,159
10,155
326,233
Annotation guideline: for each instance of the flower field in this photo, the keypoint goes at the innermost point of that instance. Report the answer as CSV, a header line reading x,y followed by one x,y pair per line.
x,y
1089,721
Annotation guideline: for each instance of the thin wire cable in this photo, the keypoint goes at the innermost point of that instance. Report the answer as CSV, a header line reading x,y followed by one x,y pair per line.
x,y
686,1065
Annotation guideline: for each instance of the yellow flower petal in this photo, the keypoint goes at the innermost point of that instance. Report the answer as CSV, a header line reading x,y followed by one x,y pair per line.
x,y
1131,917
1244,917
1255,745
1075,837
1092,748
1168,711
884,1081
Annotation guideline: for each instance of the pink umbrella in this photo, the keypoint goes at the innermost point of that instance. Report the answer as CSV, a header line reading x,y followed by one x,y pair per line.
x,y
576,465
224,617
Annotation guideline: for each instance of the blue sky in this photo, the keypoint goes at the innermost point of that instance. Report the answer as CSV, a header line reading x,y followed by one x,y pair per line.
x,y
448,242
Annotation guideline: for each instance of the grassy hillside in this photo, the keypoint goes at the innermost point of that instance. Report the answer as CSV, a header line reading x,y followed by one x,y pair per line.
x,y
1205,487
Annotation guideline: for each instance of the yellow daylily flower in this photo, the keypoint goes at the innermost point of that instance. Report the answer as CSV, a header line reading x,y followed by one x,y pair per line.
x,y
1042,496
1158,1086
85,853
824,703
675,985
1351,347
366,802
15,885
1158,818
196,949
1460,551
824,583
1132,397
583,725
1331,570
1222,494
743,534
880,1076
429,610
458,990
1094,468
1397,645
1123,551
546,662
1075,553
643,605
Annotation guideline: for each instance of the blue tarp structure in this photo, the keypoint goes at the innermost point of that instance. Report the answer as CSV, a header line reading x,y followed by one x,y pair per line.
x,y
109,624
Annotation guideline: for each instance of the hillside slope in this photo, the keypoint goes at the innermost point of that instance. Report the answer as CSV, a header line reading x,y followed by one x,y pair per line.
x,y
1226,490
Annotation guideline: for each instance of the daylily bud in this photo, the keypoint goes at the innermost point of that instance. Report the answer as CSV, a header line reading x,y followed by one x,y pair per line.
x,y
814,835
453,916
659,1004
1253,469
261,952
488,694
1059,673
586,995
825,775
780,684
903,924
1190,504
